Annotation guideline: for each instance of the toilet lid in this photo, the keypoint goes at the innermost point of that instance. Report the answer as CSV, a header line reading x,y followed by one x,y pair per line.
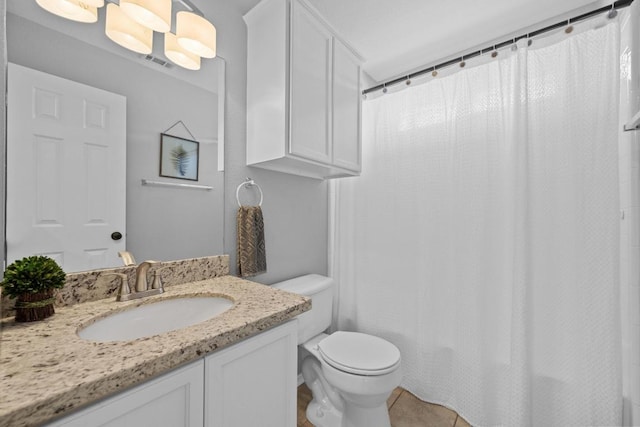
x,y
358,353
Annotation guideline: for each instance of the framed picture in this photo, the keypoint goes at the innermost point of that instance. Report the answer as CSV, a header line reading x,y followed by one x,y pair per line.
x,y
178,157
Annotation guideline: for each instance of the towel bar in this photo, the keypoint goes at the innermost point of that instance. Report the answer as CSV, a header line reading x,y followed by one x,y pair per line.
x,y
248,183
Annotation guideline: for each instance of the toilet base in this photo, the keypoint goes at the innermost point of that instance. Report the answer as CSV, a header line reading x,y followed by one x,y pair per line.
x,y
322,416
325,409
353,416
337,407
370,416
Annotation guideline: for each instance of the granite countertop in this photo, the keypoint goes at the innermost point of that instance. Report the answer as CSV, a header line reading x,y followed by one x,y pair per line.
x,y
47,371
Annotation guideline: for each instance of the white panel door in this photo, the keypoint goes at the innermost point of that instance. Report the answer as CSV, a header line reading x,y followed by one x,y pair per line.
x,y
66,170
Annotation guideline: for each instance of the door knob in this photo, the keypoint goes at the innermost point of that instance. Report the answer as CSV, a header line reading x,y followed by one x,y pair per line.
x,y
116,235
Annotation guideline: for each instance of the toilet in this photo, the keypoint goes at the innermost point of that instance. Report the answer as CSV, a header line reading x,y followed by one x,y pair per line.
x,y
350,374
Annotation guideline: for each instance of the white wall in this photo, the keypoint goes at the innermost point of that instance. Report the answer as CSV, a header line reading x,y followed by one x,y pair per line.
x,y
162,223
630,223
630,274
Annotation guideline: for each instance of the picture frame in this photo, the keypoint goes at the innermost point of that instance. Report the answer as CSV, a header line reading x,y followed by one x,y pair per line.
x,y
179,157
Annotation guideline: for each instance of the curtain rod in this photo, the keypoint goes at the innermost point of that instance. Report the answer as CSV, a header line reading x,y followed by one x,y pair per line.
x,y
614,6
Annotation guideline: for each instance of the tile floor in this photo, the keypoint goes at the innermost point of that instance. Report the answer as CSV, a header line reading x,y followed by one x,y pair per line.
x,y
405,410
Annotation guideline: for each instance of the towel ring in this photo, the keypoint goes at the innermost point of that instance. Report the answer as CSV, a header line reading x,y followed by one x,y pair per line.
x,y
248,183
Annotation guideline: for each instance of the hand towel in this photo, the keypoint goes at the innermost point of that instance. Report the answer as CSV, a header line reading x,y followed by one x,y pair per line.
x,y
252,257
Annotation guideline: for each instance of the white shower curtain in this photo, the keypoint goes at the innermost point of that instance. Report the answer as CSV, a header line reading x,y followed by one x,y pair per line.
x,y
482,237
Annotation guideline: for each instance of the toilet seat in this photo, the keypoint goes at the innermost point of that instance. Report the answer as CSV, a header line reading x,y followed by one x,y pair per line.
x,y
359,354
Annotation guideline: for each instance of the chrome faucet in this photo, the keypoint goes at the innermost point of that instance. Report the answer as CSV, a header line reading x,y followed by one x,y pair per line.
x,y
127,258
141,288
141,275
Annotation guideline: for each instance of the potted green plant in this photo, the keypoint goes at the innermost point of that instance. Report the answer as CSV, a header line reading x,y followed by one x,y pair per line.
x,y
32,281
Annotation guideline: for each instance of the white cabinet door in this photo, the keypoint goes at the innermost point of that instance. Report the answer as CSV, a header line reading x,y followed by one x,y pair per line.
x,y
346,108
172,400
253,383
310,86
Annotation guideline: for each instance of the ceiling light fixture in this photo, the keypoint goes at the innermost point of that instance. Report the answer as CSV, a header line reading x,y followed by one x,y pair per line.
x,y
153,14
196,34
178,55
131,24
75,10
126,32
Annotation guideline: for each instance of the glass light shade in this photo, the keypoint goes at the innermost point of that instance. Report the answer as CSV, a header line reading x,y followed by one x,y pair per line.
x,y
196,34
127,32
178,55
75,10
153,14
96,3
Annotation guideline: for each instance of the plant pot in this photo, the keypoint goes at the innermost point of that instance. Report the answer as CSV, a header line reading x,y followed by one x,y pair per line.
x,y
32,307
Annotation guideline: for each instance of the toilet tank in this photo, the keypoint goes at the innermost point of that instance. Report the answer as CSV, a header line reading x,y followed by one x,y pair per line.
x,y
320,290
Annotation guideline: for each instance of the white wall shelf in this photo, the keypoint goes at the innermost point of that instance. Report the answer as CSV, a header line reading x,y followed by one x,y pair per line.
x,y
174,184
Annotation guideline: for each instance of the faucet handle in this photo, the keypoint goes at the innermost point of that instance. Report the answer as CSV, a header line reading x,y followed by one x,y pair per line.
x,y
124,288
157,281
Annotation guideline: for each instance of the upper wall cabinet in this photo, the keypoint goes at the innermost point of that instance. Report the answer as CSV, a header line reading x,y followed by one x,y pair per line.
x,y
303,93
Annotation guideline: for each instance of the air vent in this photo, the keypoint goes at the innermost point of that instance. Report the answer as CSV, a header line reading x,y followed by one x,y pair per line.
x,y
156,60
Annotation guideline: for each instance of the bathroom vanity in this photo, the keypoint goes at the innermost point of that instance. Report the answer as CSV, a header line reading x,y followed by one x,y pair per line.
x,y
237,368
247,384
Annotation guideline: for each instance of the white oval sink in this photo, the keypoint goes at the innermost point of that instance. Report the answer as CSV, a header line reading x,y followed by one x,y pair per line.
x,y
155,318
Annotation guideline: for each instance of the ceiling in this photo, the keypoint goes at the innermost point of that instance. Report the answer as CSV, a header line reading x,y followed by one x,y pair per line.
x,y
396,37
